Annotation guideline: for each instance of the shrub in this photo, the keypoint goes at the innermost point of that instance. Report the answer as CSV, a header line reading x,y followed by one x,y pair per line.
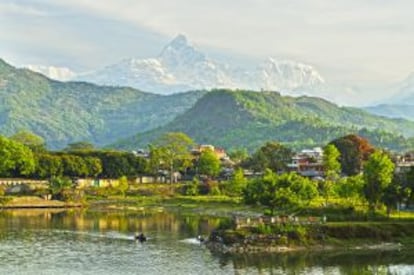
x,y
191,189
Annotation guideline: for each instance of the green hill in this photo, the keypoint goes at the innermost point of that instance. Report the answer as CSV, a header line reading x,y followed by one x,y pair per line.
x,y
64,112
248,119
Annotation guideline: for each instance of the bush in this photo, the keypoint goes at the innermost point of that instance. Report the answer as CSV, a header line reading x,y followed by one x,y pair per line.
x,y
209,187
191,189
283,240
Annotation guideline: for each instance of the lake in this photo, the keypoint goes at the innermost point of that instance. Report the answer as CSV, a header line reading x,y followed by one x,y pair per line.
x,y
102,242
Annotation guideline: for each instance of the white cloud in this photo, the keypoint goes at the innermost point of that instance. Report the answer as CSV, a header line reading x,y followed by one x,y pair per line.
x,y
14,8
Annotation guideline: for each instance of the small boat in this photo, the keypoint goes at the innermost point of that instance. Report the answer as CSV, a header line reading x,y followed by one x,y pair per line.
x,y
140,237
200,238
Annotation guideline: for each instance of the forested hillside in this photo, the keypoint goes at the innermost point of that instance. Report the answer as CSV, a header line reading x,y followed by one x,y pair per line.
x,y
248,119
64,112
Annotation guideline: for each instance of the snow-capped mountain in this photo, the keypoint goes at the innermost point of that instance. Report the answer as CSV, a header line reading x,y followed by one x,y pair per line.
x,y
181,66
56,73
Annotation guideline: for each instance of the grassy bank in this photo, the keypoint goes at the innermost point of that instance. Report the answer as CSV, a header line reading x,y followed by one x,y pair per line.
x,y
34,202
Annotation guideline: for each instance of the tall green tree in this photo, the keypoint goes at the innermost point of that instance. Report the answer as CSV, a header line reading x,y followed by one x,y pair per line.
x,y
208,164
332,168
331,163
174,150
15,159
238,183
123,185
272,155
378,175
34,142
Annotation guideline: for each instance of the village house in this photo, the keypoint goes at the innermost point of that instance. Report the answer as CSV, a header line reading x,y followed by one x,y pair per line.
x,y
403,163
308,163
219,152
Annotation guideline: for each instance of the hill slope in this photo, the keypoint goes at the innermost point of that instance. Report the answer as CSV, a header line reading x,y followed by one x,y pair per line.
x,y
393,111
64,112
244,118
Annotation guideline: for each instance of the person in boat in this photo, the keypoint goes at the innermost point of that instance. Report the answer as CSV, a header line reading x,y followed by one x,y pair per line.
x,y
200,238
140,237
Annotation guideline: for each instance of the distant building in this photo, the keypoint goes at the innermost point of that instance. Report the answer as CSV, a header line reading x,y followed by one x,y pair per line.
x,y
219,152
404,163
141,153
308,163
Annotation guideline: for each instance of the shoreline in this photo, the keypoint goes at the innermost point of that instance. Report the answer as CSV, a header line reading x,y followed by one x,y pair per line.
x,y
257,249
32,202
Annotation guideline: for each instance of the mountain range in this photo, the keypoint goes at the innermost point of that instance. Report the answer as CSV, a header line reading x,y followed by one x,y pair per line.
x,y
399,105
181,66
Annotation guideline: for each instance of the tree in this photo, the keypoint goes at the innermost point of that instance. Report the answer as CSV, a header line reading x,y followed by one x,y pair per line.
x,y
285,192
80,146
238,155
74,166
350,189
48,166
16,159
396,192
174,151
93,166
332,169
272,155
208,164
123,185
354,151
331,162
34,142
238,183
154,161
60,187
378,174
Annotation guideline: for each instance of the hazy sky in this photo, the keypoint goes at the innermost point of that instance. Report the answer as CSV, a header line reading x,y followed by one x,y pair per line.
x,y
361,42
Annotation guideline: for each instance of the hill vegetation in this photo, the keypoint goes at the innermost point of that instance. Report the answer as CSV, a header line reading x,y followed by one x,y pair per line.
x,y
65,112
248,119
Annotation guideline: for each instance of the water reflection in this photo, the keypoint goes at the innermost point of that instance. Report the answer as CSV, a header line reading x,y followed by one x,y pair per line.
x,y
91,242
353,262
82,220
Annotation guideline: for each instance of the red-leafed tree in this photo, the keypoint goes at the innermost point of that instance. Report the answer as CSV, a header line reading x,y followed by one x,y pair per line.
x,y
354,150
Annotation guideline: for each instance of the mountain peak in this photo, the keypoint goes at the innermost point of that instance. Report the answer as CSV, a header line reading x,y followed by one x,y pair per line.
x,y
180,51
179,41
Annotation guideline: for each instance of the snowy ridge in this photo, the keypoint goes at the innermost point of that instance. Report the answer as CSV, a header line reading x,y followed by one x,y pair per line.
x,y
181,67
56,73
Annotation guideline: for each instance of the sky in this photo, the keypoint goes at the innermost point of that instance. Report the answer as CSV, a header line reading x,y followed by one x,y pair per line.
x,y
366,43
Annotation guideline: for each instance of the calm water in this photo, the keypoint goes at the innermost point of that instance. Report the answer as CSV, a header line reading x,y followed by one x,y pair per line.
x,y
81,242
